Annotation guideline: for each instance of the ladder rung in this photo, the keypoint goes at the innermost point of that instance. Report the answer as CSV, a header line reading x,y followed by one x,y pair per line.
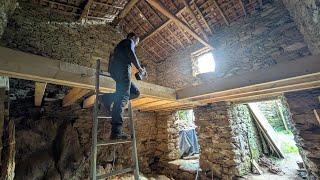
x,y
114,173
114,142
109,117
104,74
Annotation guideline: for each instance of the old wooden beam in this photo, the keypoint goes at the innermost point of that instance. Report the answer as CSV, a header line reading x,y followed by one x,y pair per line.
x,y
86,9
304,70
17,64
73,95
202,17
177,21
39,93
126,10
193,16
221,12
243,8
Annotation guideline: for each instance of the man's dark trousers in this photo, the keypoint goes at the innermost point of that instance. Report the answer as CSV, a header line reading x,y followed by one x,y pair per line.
x,y
125,91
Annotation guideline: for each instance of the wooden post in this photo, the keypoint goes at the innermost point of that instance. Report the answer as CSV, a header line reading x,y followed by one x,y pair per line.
x,y
282,116
39,93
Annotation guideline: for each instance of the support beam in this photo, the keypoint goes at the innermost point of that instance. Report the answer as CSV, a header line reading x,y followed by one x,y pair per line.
x,y
202,17
243,8
17,64
221,12
289,74
193,16
86,9
126,10
73,95
39,92
177,21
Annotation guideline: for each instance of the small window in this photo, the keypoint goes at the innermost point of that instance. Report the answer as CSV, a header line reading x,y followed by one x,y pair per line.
x,y
203,62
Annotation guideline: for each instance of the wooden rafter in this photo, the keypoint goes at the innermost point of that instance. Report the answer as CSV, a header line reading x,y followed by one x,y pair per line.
x,y
176,38
221,12
202,17
177,21
193,16
73,95
39,93
243,8
182,31
86,9
144,17
154,12
168,43
108,5
126,10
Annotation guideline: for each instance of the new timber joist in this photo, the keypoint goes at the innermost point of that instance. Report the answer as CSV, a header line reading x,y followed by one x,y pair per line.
x,y
294,75
22,65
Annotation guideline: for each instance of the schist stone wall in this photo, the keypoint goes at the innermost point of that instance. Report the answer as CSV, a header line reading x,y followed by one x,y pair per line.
x,y
225,132
54,142
306,14
38,30
258,41
6,9
303,107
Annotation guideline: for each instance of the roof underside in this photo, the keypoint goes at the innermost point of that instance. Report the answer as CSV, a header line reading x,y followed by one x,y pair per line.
x,y
160,36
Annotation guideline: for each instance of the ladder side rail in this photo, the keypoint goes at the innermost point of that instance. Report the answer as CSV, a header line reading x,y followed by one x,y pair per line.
x,y
134,144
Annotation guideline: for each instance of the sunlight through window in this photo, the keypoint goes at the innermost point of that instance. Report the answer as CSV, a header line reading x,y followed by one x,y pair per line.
x,y
206,63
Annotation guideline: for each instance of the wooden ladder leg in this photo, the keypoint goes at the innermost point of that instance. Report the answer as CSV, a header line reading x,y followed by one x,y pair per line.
x,y
134,144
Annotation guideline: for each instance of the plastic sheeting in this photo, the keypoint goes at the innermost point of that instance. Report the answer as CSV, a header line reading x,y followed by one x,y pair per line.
x,y
188,142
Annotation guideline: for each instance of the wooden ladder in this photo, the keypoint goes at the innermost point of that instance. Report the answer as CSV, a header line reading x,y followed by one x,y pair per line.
x,y
135,167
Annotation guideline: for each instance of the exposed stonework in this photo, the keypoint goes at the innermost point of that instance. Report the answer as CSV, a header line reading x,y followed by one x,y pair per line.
x,y
257,42
6,9
307,127
225,131
55,142
306,14
52,35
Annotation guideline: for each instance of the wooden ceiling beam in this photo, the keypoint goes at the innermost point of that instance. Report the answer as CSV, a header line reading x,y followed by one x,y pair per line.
x,y
243,8
202,17
40,88
176,38
221,12
177,21
86,9
167,42
17,64
193,16
107,5
73,95
302,70
126,10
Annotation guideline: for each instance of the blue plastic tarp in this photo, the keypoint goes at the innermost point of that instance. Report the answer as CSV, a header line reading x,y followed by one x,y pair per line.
x,y
188,142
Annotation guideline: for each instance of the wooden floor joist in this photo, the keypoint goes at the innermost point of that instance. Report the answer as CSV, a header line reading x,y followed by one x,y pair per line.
x,y
73,95
290,74
27,66
40,88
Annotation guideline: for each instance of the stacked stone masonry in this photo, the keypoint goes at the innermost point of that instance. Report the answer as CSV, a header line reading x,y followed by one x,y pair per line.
x,y
306,15
52,35
224,140
54,142
307,128
261,40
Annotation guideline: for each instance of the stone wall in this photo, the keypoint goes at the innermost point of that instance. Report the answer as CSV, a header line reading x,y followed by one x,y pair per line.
x,y
40,31
306,14
6,9
54,142
307,128
225,132
258,41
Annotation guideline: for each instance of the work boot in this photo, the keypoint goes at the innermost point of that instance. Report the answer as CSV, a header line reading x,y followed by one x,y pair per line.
x,y
120,136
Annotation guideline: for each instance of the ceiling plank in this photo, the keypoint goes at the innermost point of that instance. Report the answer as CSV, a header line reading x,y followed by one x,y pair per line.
x,y
176,38
185,35
202,17
177,21
107,5
40,88
167,42
243,8
221,12
86,9
73,95
193,16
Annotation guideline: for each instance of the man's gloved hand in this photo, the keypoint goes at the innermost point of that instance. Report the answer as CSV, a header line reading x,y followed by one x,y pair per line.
x,y
143,72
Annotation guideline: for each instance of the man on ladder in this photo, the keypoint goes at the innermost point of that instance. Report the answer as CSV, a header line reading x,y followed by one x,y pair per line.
x,y
120,70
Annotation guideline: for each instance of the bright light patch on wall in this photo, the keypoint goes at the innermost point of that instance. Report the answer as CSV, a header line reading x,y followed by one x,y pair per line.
x,y
206,63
